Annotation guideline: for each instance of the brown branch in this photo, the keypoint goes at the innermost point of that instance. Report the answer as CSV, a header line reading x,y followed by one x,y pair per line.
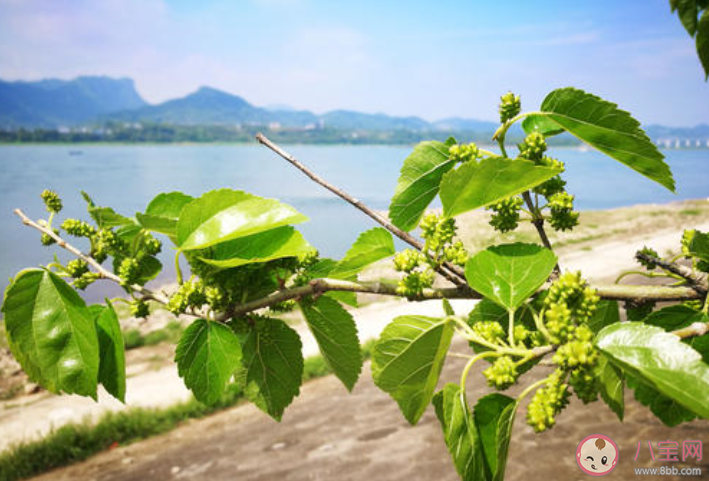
x,y
696,280
448,270
694,329
100,270
319,286
538,224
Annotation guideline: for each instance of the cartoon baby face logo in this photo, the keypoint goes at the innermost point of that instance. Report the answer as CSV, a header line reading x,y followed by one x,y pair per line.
x,y
597,455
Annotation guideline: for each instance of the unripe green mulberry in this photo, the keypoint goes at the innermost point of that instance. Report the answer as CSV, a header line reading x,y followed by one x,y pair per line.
x,y
139,309
561,206
505,215
561,201
85,280
215,297
578,352
408,259
77,267
190,294
129,270
48,240
502,373
521,333
463,152
51,201
105,243
533,147
570,289
547,161
437,231
413,284
648,264
456,254
552,186
558,322
428,225
564,220
78,228
584,384
491,331
151,245
510,106
548,402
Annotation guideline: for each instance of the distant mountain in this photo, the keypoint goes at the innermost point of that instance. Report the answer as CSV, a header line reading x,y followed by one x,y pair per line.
x,y
349,120
87,101
55,103
208,106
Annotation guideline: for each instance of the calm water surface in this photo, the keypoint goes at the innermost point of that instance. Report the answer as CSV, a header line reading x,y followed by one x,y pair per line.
x,y
128,177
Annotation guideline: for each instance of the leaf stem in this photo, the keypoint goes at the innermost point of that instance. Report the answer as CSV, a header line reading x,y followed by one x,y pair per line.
x,y
473,360
178,269
530,388
511,327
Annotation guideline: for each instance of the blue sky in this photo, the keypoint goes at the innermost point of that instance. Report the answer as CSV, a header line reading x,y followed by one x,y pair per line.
x,y
431,59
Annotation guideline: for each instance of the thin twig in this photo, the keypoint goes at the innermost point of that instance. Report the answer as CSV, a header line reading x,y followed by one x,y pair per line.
x,y
538,223
696,280
100,270
319,286
448,270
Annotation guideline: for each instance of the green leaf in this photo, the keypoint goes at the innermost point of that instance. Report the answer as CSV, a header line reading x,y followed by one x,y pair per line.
x,y
52,330
665,409
542,124
272,369
699,245
687,12
678,317
105,217
508,274
494,417
371,246
262,247
660,360
611,384
607,313
477,184
163,211
323,268
335,331
407,360
613,131
418,183
207,356
703,42
461,434
112,363
222,215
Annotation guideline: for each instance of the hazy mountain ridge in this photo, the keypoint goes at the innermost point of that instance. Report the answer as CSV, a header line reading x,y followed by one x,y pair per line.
x,y
86,101
52,103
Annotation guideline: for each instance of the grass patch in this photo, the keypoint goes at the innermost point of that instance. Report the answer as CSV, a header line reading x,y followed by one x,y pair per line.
x,y
690,212
78,441
133,338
